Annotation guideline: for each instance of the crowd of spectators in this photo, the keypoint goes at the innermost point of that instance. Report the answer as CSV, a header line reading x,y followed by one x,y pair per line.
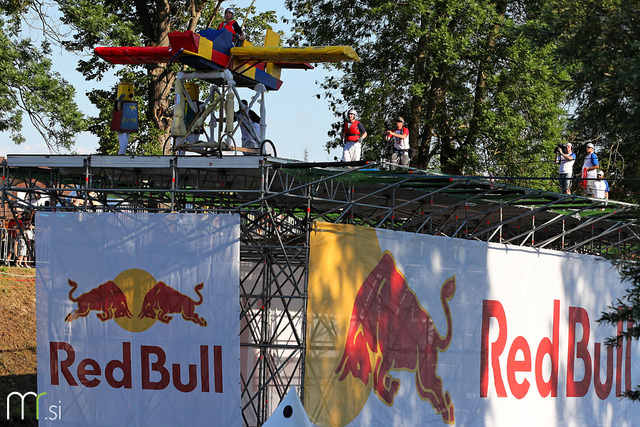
x,y
17,237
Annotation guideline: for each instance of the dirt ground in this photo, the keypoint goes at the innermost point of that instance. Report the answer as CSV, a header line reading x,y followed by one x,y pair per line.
x,y
18,355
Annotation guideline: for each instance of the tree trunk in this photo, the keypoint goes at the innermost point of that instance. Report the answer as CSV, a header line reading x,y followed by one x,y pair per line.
x,y
160,88
480,90
420,143
161,80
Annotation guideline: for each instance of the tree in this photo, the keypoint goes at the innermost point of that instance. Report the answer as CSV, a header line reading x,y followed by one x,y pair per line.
x,y
28,85
627,309
478,95
122,23
147,23
598,42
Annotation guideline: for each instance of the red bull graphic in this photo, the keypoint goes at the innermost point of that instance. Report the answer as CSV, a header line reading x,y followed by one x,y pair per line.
x,y
588,367
136,292
156,372
391,331
163,300
120,347
107,299
517,342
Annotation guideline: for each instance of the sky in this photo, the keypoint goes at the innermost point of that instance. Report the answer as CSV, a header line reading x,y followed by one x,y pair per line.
x,y
296,119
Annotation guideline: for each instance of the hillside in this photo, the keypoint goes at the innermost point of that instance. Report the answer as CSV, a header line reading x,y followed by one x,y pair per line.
x,y
18,356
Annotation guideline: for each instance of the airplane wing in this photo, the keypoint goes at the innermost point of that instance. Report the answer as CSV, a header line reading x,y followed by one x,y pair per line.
x,y
213,50
296,55
135,54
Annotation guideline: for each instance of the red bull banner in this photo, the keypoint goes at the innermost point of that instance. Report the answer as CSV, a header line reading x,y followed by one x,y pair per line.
x,y
408,329
138,319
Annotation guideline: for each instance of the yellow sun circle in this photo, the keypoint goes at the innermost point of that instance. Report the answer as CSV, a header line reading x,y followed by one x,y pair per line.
x,y
135,284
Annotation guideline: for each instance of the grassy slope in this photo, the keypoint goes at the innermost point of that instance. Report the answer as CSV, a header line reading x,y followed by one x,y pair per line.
x,y
18,357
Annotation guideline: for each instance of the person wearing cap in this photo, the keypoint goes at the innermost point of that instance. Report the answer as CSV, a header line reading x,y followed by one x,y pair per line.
x,y
232,26
353,134
565,158
589,170
601,187
400,138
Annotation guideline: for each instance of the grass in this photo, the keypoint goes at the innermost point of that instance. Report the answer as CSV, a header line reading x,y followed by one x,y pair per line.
x,y
18,351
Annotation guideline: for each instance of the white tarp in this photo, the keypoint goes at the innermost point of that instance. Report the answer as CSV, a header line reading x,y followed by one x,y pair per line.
x,y
521,346
138,319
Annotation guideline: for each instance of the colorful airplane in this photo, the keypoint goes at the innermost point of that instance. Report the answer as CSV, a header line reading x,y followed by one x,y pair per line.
x,y
213,50
212,56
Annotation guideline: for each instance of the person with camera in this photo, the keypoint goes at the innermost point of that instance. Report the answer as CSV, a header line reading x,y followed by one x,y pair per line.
x,y
565,158
400,138
589,171
353,134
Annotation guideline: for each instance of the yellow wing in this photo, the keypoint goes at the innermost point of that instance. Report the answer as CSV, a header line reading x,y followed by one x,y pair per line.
x,y
295,55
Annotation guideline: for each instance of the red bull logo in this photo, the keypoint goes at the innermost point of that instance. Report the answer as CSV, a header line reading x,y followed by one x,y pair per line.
x,y
391,331
107,299
135,300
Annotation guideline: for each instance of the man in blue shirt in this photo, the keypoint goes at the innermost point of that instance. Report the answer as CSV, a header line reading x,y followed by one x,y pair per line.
x,y
589,170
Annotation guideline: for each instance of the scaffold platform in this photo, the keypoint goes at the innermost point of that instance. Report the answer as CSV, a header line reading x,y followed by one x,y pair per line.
x,y
279,200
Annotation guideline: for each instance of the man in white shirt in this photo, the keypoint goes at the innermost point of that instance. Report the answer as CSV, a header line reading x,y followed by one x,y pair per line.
x,y
400,138
565,158
602,187
353,134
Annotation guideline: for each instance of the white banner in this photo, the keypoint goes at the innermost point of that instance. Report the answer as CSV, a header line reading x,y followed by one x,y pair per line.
x,y
442,331
138,319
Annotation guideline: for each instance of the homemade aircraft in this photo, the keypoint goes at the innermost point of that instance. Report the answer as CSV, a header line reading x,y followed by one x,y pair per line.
x,y
212,57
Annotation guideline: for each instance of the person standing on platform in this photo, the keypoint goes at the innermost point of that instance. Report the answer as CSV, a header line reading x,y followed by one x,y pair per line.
x,y
565,158
589,171
232,26
400,138
601,187
353,134
124,118
123,137
249,126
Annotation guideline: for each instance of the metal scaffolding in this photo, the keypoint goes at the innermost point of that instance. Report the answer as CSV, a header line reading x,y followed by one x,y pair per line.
x,y
279,200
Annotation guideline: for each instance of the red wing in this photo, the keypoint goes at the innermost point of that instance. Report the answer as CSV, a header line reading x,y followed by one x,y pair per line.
x,y
135,54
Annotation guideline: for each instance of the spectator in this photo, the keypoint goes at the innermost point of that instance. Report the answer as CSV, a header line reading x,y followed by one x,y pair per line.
x,y
589,171
23,240
4,241
353,134
12,231
400,138
601,187
31,246
565,158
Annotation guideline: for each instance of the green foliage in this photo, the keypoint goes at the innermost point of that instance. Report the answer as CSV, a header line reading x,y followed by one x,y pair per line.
x,y
599,42
466,77
28,85
256,24
120,23
626,310
145,140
